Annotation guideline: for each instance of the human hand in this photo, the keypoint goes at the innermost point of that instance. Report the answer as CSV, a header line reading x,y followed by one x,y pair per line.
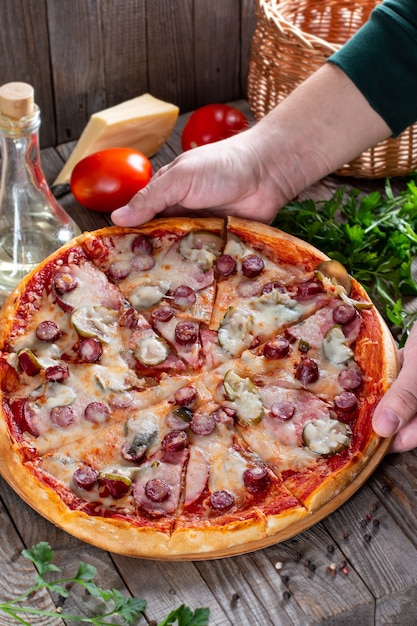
x,y
229,177
396,414
321,125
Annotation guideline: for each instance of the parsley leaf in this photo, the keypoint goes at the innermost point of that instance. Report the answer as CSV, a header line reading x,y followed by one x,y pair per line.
x,y
185,617
373,235
130,610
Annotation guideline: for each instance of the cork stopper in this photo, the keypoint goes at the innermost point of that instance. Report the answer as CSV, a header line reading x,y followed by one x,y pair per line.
x,y
16,100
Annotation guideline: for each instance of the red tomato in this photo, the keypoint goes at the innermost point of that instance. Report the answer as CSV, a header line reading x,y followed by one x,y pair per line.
x,y
211,123
108,179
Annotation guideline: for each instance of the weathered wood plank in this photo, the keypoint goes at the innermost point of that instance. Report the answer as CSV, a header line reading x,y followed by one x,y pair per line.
x,y
248,23
242,588
396,484
85,55
217,51
320,595
171,52
24,53
125,54
382,555
17,574
77,64
167,585
399,609
69,552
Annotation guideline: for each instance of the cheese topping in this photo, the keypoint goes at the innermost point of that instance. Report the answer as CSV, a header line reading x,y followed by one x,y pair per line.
x,y
143,123
148,295
236,331
335,347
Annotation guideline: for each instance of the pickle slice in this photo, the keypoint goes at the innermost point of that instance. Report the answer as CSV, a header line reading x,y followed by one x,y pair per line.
x,y
335,347
335,270
201,247
151,350
326,436
95,321
246,398
235,331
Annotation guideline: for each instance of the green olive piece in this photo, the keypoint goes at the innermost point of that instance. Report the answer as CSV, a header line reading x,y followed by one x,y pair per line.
x,y
334,269
184,413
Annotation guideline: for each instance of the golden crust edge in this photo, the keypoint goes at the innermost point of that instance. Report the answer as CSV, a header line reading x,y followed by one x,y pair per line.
x,y
90,537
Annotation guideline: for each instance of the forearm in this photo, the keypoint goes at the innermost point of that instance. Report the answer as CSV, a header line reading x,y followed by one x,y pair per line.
x,y
323,124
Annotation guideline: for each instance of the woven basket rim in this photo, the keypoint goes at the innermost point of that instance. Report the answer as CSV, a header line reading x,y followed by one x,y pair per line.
x,y
287,29
283,55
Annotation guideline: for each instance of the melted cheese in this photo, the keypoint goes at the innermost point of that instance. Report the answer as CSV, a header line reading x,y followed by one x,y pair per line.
x,y
335,347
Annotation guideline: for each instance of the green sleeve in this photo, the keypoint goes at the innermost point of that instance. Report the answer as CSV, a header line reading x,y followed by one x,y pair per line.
x,y
381,59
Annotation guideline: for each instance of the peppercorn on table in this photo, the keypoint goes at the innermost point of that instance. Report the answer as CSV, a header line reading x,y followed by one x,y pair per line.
x,y
359,565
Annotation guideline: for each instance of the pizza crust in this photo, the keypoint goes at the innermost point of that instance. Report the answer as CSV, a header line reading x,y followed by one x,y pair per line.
x,y
169,538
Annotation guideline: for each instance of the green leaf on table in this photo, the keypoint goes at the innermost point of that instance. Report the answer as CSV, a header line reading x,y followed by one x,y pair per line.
x,y
184,616
373,235
128,608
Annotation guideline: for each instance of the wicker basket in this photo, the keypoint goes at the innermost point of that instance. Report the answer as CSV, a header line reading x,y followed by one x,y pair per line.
x,y
292,39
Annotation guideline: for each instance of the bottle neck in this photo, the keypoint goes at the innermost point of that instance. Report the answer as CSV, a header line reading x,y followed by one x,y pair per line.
x,y
20,152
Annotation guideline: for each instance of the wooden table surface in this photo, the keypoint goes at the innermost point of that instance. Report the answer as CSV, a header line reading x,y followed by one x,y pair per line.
x,y
358,566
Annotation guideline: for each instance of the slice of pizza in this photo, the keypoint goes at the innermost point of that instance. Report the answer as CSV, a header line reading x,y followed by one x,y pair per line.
x,y
166,263
230,494
166,272
260,291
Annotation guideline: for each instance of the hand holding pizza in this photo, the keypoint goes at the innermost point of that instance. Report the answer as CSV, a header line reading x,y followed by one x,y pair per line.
x,y
229,177
253,174
250,176
396,414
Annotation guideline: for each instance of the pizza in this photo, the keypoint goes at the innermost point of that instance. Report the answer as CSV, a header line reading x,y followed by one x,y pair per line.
x,y
190,388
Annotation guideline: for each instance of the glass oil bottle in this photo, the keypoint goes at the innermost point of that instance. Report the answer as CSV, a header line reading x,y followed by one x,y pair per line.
x,y
32,223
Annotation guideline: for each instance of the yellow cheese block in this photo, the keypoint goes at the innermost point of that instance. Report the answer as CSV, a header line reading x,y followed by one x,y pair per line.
x,y
143,123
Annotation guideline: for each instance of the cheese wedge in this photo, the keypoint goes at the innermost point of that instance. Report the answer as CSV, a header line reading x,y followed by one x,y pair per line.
x,y
143,123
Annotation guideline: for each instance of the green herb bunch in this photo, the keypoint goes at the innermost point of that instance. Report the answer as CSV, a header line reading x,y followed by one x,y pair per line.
x,y
129,609
373,235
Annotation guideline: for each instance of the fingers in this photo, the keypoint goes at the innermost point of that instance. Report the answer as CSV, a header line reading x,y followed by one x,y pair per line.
x,y
396,414
143,207
406,438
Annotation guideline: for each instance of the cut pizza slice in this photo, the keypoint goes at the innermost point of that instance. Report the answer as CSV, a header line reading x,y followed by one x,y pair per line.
x,y
229,492
168,263
261,292
129,466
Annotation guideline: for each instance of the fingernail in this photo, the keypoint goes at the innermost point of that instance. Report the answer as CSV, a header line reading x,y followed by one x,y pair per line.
x,y
387,422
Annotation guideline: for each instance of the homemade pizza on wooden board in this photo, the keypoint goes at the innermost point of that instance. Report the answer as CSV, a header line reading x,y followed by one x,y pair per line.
x,y
189,389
